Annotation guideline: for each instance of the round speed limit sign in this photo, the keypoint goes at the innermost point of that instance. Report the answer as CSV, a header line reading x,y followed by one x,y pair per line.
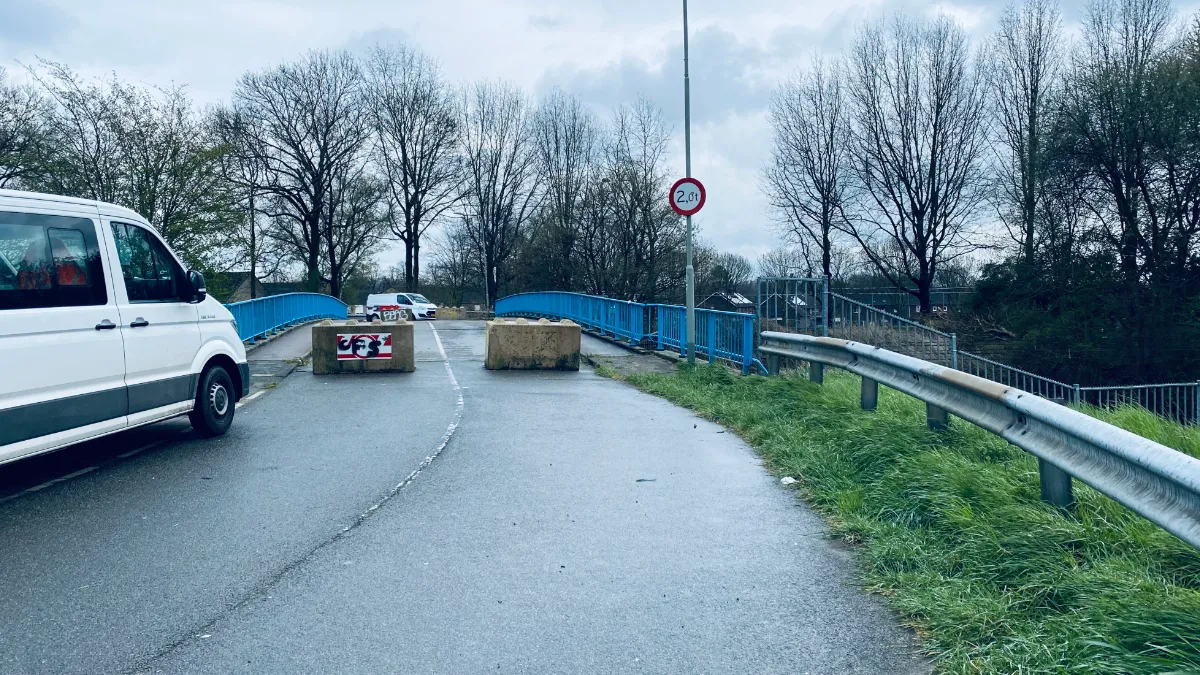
x,y
687,196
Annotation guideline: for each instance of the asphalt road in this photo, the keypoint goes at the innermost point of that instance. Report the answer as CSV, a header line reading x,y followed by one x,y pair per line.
x,y
453,520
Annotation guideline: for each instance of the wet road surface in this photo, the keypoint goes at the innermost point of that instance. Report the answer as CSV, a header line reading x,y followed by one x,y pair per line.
x,y
452,520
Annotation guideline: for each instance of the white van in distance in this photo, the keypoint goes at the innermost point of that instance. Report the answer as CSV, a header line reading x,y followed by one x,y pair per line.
x,y
102,329
388,306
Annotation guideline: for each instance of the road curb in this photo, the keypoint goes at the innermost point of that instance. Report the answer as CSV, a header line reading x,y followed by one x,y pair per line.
x,y
252,347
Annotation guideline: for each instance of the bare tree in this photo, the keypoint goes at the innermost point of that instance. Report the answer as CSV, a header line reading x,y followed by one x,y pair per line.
x,y
784,262
355,220
21,113
1026,61
598,246
454,264
649,235
731,272
809,178
246,174
919,132
416,123
501,183
304,122
1137,160
564,133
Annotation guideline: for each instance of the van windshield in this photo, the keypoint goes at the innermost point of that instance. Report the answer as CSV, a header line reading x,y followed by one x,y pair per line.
x,y
419,298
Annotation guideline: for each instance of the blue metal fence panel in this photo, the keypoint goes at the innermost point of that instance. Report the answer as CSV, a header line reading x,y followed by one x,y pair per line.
x,y
725,336
262,316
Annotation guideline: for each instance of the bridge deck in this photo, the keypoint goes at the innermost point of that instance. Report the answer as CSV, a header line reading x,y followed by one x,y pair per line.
x,y
571,524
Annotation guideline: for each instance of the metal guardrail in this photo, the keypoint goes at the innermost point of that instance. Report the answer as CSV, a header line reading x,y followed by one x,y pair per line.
x,y
1161,484
262,316
720,336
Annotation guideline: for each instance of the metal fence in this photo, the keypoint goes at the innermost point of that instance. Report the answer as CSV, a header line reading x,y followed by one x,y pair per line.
x,y
1176,401
720,336
807,306
263,316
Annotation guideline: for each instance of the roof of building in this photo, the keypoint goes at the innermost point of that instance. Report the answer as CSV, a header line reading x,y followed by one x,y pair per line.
x,y
732,298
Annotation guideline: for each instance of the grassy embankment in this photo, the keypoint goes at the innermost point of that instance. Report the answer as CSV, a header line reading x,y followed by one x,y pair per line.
x,y
954,534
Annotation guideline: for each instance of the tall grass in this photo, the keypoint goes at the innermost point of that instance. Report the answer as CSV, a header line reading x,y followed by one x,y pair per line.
x,y
954,533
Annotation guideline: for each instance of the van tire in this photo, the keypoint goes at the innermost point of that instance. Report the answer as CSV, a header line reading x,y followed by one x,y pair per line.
x,y
215,403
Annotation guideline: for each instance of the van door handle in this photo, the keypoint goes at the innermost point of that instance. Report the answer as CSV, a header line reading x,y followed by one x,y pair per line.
x,y
105,325
139,323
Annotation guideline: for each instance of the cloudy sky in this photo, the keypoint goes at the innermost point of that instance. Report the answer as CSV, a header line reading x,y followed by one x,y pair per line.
x,y
606,51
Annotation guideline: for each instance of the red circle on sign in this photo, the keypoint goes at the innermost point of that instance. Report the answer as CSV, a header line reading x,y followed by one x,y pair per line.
x,y
676,186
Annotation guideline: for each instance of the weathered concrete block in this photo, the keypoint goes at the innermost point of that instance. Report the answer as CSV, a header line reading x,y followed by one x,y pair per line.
x,y
525,345
353,347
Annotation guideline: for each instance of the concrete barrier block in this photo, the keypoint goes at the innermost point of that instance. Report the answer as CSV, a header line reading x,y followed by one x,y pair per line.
x,y
522,345
353,347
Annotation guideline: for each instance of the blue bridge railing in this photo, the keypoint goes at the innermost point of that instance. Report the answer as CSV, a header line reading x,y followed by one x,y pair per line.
x,y
723,336
262,316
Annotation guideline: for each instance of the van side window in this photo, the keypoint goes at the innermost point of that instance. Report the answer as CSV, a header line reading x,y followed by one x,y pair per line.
x,y
49,261
151,274
402,299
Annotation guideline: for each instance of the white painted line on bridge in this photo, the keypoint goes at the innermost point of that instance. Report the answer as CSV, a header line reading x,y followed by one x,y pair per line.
x,y
437,450
131,453
251,397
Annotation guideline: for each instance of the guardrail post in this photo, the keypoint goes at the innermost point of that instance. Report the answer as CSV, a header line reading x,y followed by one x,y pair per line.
x,y
937,418
816,372
954,351
1075,394
826,310
712,337
772,364
658,330
869,399
1056,486
747,345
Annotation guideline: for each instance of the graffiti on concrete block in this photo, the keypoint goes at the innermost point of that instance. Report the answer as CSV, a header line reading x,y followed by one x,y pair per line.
x,y
364,346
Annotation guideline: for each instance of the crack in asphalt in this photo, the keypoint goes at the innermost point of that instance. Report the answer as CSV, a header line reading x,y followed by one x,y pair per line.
x,y
260,591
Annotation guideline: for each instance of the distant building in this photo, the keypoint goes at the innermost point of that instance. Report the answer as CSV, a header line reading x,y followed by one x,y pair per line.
x,y
729,302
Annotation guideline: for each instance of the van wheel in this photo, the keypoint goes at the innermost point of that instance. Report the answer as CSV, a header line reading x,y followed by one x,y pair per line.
x,y
214,403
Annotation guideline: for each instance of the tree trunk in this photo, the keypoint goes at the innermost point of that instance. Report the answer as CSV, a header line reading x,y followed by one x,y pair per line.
x,y
490,283
253,250
409,263
825,246
416,266
924,293
314,254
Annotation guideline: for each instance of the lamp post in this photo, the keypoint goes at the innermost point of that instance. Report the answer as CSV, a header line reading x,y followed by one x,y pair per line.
x,y
690,274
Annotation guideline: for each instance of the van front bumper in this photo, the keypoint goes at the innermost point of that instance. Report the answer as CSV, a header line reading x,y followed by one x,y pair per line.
x,y
244,375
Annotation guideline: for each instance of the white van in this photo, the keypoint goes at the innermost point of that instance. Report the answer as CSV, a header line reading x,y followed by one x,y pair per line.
x,y
102,329
389,307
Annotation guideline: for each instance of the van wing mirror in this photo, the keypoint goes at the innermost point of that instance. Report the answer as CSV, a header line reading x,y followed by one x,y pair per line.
x,y
199,291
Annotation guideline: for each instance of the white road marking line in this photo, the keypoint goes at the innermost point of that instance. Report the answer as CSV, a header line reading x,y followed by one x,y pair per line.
x,y
61,479
79,473
249,398
131,453
437,450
